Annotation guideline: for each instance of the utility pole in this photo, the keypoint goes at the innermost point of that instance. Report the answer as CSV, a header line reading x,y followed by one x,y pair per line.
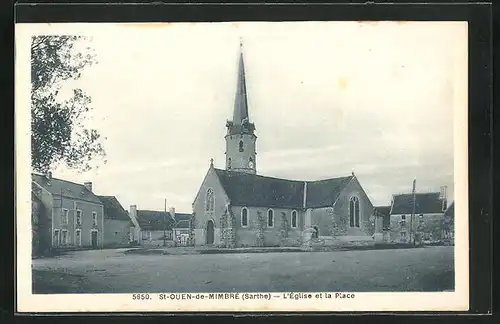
x,y
413,211
165,225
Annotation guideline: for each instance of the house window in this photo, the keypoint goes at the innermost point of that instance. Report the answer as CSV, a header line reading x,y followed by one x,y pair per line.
x,y
244,217
402,223
354,212
210,200
403,235
94,219
294,219
64,217
403,216
229,163
241,146
64,237
270,218
78,237
78,217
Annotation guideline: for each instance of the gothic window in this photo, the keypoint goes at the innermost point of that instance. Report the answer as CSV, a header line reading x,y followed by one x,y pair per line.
x,y
354,212
244,217
294,219
241,146
250,162
210,200
270,218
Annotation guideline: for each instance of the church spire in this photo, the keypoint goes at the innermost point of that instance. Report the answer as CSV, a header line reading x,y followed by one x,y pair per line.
x,y
241,121
240,101
240,137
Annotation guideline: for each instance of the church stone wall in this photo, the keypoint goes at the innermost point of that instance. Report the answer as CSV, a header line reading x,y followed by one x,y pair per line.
x,y
247,236
341,210
199,208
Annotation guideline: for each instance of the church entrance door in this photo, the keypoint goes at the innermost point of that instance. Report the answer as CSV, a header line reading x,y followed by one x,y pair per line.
x,y
210,232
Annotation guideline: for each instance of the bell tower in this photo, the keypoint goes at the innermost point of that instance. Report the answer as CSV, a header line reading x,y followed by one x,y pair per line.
x,y
240,137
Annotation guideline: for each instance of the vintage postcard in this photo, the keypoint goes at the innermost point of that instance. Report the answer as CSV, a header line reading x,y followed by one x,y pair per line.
x,y
244,166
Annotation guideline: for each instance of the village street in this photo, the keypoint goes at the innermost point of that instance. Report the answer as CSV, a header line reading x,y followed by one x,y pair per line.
x,y
113,271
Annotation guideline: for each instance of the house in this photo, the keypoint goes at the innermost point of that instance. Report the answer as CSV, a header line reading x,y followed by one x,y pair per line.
x,y
428,215
153,226
73,213
40,230
384,212
449,224
117,223
237,207
181,227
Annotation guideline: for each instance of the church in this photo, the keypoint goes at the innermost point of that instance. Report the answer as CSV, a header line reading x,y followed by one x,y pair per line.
x,y
237,207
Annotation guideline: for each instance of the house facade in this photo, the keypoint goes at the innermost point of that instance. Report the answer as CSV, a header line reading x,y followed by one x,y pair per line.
x,y
117,223
237,207
74,214
426,225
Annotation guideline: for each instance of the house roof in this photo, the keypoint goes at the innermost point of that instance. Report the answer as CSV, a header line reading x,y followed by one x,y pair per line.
x,y
246,189
383,210
182,220
153,220
425,203
450,211
65,188
113,209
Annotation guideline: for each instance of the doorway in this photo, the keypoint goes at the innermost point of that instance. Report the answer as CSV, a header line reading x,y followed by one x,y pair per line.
x,y
94,239
210,232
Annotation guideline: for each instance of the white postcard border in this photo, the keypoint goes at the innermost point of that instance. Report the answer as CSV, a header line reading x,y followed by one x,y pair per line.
x,y
405,301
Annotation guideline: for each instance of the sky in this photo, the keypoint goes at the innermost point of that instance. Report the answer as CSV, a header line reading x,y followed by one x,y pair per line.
x,y
327,99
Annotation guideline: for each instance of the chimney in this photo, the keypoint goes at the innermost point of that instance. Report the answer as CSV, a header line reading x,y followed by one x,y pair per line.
x,y
88,185
133,211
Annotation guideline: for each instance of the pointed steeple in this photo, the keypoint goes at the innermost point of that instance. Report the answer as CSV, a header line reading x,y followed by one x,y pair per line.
x,y
241,121
240,101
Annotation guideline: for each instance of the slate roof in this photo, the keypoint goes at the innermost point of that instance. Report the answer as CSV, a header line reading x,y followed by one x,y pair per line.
x,y
325,192
425,203
182,220
246,189
153,220
450,211
113,209
68,189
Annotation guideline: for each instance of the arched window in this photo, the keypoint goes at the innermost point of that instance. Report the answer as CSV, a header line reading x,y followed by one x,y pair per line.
x,y
270,218
229,163
294,219
244,217
354,212
241,146
210,200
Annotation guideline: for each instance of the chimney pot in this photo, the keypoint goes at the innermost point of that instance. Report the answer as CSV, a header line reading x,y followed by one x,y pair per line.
x,y
88,185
